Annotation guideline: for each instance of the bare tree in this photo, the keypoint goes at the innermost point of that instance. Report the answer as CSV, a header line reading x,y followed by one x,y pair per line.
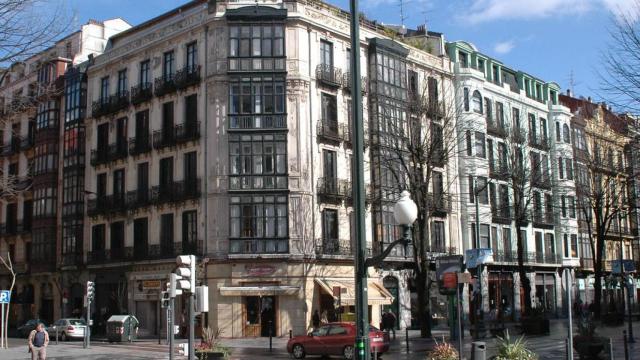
x,y
9,266
413,156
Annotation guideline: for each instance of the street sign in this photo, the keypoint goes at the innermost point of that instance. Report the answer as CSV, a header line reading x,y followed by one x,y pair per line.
x,y
444,265
450,280
5,296
629,266
464,278
477,257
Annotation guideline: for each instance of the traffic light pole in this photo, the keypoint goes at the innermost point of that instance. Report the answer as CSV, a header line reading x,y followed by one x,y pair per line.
x,y
171,326
192,298
87,331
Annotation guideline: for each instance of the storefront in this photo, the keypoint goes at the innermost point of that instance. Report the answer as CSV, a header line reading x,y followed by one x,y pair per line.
x,y
501,297
337,299
545,295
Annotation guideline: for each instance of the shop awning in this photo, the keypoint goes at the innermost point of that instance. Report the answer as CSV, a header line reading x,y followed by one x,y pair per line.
x,y
258,290
378,295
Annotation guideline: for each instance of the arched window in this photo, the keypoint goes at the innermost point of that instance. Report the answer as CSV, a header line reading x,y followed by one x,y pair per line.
x,y
466,99
565,133
477,102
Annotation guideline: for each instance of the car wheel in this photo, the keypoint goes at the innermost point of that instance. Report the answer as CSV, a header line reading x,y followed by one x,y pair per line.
x,y
348,352
298,351
63,337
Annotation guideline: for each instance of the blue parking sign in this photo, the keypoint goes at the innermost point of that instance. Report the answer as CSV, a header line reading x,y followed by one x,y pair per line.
x,y
5,296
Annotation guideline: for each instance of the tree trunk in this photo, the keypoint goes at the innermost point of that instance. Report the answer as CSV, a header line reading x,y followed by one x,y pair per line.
x,y
524,279
423,303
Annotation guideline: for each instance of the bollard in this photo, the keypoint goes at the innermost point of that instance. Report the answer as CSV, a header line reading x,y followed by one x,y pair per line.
x,y
406,337
270,336
56,335
290,334
626,345
610,349
478,350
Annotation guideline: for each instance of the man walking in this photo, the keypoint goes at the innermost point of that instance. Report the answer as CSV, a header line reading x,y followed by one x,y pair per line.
x,y
38,341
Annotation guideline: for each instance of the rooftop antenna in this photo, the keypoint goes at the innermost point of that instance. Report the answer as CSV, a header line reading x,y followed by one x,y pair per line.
x,y
572,82
402,17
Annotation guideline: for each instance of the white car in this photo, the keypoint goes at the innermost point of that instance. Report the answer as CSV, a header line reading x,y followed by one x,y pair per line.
x,y
67,329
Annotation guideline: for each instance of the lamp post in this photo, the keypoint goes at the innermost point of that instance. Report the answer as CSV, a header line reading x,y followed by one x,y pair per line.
x,y
569,289
479,323
405,212
624,282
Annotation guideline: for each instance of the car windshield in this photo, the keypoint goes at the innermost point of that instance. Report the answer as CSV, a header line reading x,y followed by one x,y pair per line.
x,y
77,322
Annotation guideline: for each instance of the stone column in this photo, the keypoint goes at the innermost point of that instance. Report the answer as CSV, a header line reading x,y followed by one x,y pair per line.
x,y
485,290
532,283
517,306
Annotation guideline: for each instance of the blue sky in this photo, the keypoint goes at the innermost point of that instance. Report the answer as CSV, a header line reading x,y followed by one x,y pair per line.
x,y
549,39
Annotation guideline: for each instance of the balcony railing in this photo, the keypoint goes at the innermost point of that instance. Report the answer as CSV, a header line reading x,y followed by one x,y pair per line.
x,y
107,205
113,152
179,134
542,219
141,93
333,189
539,181
329,75
138,198
587,263
187,76
334,247
501,215
111,104
498,169
241,122
517,136
346,82
442,249
495,129
328,130
440,204
176,191
539,142
139,145
501,256
348,138
165,85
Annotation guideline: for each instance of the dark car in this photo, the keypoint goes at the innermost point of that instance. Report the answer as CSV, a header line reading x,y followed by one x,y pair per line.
x,y
336,339
30,325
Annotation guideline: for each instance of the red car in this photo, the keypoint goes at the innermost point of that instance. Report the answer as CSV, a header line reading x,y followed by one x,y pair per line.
x,y
335,339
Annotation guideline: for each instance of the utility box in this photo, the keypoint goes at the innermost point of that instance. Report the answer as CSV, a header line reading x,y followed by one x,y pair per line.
x,y
122,328
202,299
478,350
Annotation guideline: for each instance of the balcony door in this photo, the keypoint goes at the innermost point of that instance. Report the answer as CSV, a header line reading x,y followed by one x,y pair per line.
x,y
330,170
117,240
331,243
118,185
143,181
167,122
166,174
166,235
142,129
103,138
326,55
190,171
140,238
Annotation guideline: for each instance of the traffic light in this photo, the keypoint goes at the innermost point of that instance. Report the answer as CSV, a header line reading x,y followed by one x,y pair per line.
x,y
164,300
173,285
91,290
186,272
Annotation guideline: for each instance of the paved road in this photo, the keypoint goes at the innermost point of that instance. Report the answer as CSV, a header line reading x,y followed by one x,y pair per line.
x,y
547,347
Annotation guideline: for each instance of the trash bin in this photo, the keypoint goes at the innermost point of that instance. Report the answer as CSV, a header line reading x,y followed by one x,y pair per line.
x,y
478,350
122,328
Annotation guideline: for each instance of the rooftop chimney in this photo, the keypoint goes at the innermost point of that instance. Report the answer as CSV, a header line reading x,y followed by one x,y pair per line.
x,y
569,92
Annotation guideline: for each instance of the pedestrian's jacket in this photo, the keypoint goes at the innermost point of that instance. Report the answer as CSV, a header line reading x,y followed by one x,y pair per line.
x,y
33,334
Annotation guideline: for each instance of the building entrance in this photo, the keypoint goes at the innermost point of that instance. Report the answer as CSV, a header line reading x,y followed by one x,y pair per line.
x,y
259,316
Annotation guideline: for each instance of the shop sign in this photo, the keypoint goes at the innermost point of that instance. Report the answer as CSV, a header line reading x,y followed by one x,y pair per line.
x,y
151,285
464,278
260,270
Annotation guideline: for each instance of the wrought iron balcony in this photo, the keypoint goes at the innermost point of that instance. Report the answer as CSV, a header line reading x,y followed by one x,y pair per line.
x,y
107,205
241,122
111,153
138,198
329,75
189,131
348,138
333,190
176,191
542,219
328,130
440,204
165,85
334,247
141,93
495,129
498,169
109,105
501,215
346,82
539,142
27,143
436,249
517,135
139,145
587,263
13,147
501,256
187,76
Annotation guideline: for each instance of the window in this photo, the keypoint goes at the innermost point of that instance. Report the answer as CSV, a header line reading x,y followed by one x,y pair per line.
x,y
45,158
48,114
464,59
101,185
190,170
500,114
166,173
192,56
191,112
496,74
560,168
564,205
74,98
574,245
329,166
330,226
572,206
168,65
143,179
258,161
118,184
329,112
515,114
145,72
258,224
569,168
484,236
116,250
488,109
189,231
480,145
97,238
482,190
469,145
438,241
506,240
565,134
261,101
166,235
326,54
168,133
580,141
104,90
533,130
140,238
481,65
477,102
254,47
466,99
558,131
122,82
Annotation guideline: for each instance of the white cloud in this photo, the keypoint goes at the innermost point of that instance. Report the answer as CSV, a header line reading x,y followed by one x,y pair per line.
x,y
480,11
504,47
624,8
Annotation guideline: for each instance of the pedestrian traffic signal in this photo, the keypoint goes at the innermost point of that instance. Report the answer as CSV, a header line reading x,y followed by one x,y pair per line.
x,y
187,273
164,299
91,290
